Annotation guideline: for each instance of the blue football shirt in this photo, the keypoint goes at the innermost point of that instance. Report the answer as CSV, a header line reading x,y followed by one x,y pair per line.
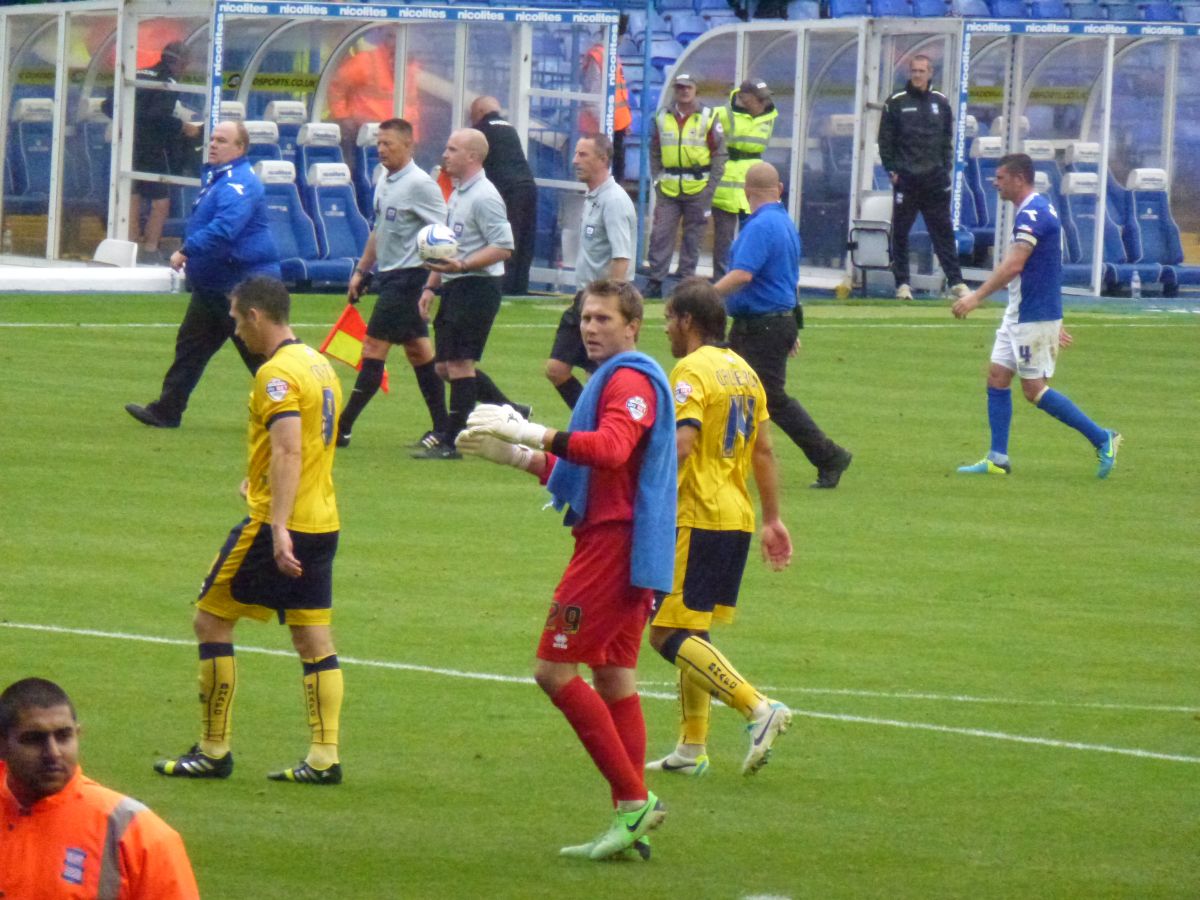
x,y
1036,295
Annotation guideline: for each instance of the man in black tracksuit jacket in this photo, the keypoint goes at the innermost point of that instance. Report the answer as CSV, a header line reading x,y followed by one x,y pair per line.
x,y
916,145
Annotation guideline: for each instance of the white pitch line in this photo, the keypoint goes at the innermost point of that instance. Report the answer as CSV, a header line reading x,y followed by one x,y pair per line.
x,y
820,323
656,695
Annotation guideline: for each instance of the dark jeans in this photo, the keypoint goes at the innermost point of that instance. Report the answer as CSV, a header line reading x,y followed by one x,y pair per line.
x,y
927,195
764,342
205,327
521,202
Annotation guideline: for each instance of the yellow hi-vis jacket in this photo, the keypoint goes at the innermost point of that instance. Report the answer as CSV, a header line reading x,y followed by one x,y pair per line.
x,y
686,157
746,138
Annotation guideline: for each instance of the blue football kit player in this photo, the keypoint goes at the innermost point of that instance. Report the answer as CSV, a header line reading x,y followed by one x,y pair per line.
x,y
1031,332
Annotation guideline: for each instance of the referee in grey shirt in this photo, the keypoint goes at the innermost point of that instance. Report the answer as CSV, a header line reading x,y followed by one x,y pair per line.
x,y
406,200
607,242
469,285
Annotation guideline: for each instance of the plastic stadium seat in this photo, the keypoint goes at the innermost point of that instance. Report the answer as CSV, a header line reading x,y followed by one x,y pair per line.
x,y
664,52
1157,231
839,9
799,10
288,116
291,228
341,229
232,111
1049,9
264,140
1077,212
1158,11
716,18
317,142
1044,163
366,158
665,6
930,9
686,27
1008,9
975,9
891,8
1084,156
1121,12
27,162
1087,10
1190,12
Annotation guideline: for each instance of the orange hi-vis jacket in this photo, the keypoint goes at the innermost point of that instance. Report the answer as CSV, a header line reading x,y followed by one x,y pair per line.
x,y
622,117
89,842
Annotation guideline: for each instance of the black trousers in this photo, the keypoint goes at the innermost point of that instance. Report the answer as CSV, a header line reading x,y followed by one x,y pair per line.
x,y
928,195
205,327
764,342
521,200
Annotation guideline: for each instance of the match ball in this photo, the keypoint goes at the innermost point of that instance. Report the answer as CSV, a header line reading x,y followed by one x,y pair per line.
x,y
436,242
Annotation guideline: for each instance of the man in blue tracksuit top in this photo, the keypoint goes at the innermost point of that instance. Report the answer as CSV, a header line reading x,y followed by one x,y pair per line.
x,y
760,294
228,240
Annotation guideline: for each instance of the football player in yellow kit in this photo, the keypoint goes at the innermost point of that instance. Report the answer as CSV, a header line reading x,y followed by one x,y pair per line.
x,y
279,560
721,432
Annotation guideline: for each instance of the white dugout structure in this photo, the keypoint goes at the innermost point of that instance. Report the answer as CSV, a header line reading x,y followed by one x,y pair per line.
x,y
1083,97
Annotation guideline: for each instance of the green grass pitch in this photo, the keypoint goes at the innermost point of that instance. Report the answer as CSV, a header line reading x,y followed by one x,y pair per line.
x,y
995,679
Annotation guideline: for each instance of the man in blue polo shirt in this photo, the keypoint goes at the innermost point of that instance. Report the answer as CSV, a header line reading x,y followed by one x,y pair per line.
x,y
760,294
1031,332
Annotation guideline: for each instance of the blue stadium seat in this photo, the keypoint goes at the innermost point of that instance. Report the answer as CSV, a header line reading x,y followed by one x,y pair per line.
x,y
931,9
799,10
1157,231
985,154
1080,198
974,9
1008,9
1044,162
664,52
97,144
839,9
1121,12
317,142
1049,9
264,140
27,179
1086,9
716,18
1190,13
288,116
1158,11
686,27
665,6
341,229
291,228
891,8
1084,156
366,158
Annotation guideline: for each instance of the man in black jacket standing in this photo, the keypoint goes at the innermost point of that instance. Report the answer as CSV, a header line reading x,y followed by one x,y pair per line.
x,y
507,168
916,145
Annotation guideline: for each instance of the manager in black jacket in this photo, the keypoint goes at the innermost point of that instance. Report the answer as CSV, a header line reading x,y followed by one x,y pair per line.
x,y
507,168
916,145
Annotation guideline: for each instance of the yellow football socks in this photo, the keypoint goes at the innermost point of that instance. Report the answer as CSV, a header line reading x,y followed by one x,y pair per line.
x,y
323,689
695,703
218,684
706,667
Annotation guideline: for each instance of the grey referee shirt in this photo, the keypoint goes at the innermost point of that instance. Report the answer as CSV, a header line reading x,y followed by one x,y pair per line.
x,y
405,202
478,219
608,232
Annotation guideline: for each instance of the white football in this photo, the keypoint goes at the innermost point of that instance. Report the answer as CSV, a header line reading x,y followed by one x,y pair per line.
x,y
436,242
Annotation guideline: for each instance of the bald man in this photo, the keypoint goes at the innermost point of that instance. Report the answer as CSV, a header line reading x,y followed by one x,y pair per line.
x,y
509,171
469,285
760,291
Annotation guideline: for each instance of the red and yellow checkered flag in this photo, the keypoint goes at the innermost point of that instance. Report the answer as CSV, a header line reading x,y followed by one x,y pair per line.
x,y
345,341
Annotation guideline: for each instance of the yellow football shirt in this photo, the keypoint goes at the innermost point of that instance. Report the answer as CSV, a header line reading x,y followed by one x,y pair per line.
x,y
716,391
296,381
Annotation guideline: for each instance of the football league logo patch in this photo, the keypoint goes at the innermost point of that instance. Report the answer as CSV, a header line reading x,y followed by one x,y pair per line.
x,y
391,214
277,389
683,390
637,408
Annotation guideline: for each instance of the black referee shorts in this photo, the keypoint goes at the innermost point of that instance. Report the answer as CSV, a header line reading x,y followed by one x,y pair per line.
x,y
568,342
396,317
465,316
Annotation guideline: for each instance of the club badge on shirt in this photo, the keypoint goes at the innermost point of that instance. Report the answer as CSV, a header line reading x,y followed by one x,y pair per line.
x,y
683,390
277,389
637,408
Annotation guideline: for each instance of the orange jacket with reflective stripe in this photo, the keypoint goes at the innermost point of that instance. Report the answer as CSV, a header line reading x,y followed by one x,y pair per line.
x,y
622,117
89,842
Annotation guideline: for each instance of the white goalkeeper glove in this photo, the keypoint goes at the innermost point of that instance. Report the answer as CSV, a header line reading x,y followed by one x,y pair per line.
x,y
475,443
507,424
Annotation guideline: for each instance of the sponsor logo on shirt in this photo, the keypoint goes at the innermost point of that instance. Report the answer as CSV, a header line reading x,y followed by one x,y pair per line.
x,y
560,641
73,863
458,229
637,408
391,214
590,230
277,389
683,390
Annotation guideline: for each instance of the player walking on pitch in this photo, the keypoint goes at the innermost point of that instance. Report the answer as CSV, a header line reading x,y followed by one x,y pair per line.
x,y
614,472
721,438
279,560
1031,331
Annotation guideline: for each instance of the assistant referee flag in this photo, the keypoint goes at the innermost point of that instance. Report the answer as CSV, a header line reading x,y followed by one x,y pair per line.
x,y
345,341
